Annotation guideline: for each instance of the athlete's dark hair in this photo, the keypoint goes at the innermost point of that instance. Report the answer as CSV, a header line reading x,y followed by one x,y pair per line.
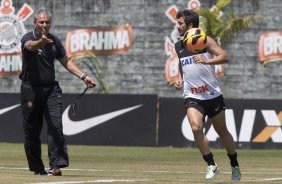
x,y
189,17
40,11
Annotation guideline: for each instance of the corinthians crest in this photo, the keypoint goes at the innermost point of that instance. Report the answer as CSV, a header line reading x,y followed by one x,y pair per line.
x,y
11,32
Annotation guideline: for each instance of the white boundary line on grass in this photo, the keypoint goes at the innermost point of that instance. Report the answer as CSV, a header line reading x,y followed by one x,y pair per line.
x,y
93,181
131,180
138,171
271,179
141,171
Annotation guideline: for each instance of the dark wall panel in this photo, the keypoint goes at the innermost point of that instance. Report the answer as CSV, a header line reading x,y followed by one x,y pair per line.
x,y
123,120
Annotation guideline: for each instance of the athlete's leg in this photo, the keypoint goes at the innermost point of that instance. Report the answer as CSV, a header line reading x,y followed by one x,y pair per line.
x,y
219,125
195,115
196,118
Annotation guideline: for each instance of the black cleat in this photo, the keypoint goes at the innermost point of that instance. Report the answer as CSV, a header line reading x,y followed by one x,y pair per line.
x,y
40,173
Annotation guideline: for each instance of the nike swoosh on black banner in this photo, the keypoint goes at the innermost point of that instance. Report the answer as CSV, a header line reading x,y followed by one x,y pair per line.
x,y
4,110
71,127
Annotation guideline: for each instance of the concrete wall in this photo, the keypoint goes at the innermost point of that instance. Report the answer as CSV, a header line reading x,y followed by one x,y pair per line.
x,y
141,71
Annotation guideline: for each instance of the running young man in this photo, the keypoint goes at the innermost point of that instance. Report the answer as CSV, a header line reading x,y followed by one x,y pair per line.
x,y
202,94
41,95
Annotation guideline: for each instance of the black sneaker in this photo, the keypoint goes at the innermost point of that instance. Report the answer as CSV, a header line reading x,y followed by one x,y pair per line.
x,y
54,172
41,173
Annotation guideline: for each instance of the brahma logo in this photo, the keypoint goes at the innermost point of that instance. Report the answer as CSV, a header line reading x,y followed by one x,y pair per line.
x,y
272,130
270,47
99,41
11,32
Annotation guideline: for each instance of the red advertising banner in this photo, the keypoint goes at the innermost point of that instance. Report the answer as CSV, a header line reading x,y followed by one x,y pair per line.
x,y
270,47
99,41
10,64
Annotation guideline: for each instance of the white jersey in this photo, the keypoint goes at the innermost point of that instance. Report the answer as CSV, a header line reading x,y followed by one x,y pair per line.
x,y
199,79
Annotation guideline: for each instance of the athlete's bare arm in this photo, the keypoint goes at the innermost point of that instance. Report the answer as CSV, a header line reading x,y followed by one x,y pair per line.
x,y
220,56
178,83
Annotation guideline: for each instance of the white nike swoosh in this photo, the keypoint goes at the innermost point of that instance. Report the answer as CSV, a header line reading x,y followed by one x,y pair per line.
x,y
74,127
214,170
2,111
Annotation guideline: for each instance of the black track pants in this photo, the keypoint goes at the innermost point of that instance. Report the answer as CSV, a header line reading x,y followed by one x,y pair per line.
x,y
38,102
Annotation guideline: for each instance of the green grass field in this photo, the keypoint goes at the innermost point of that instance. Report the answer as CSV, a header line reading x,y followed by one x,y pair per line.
x,y
146,165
